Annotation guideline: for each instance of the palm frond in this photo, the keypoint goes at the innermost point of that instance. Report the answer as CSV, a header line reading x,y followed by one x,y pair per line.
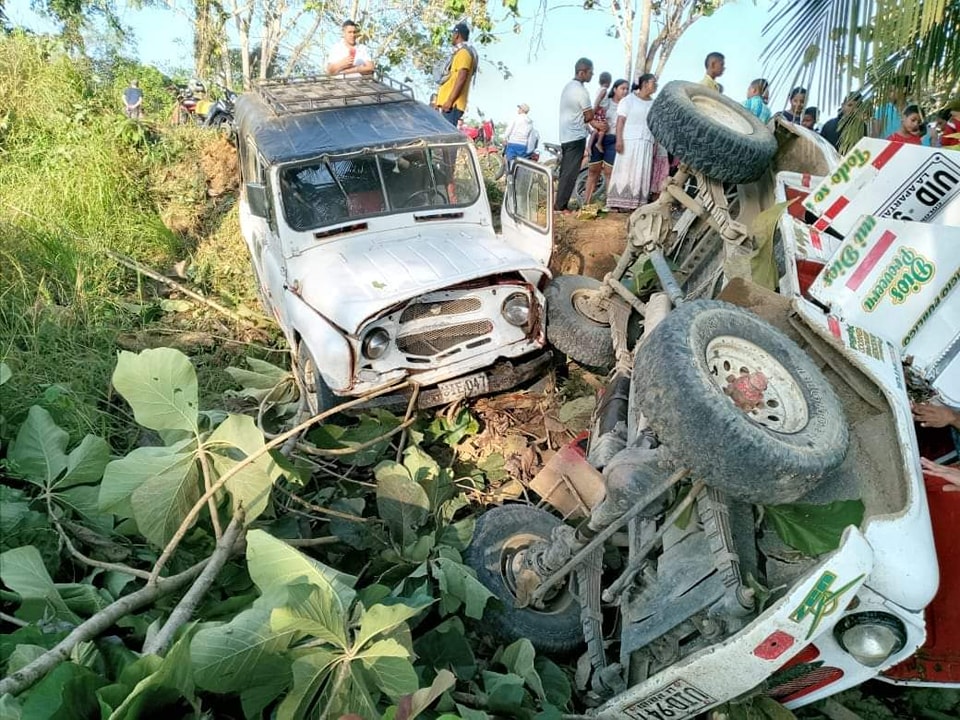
x,y
874,45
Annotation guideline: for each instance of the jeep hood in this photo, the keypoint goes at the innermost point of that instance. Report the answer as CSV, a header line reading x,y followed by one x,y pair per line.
x,y
351,280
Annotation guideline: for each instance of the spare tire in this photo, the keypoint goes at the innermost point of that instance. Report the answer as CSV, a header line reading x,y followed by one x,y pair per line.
x,y
711,133
784,432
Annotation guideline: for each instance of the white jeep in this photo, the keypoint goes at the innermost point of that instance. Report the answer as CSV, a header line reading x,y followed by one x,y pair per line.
x,y
374,248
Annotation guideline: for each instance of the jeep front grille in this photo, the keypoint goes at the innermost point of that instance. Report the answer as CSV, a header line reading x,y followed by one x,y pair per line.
x,y
417,311
436,340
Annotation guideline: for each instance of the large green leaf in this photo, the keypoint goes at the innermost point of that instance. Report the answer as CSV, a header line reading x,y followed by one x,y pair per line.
x,y
422,699
236,438
67,693
86,462
309,674
459,584
504,692
161,387
245,652
556,685
22,570
272,563
38,454
446,646
814,529
401,502
162,502
122,477
518,658
9,706
171,682
381,619
394,676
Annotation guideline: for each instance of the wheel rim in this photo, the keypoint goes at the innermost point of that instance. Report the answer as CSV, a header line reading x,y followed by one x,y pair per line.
x,y
758,384
722,114
586,305
308,377
555,601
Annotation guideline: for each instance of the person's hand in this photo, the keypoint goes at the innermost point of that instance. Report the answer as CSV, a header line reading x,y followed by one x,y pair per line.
x,y
934,416
600,126
619,146
446,107
943,472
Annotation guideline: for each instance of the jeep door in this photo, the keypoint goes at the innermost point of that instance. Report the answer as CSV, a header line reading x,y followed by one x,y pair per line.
x,y
526,215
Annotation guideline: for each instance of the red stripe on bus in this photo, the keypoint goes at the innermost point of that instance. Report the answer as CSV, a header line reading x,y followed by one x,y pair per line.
x,y
871,260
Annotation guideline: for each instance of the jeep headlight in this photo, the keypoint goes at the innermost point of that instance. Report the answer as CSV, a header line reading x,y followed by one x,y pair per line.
x,y
516,309
871,637
375,343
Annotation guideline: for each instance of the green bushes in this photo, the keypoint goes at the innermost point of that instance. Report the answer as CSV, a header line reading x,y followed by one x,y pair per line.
x,y
78,179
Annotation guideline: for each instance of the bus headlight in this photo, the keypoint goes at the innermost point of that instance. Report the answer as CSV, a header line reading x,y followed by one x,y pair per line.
x,y
871,637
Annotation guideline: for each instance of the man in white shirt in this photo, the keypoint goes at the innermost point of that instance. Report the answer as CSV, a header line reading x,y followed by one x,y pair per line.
x,y
517,135
576,119
348,57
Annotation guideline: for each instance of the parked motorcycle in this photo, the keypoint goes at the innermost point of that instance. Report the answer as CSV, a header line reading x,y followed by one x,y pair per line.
x,y
193,106
580,189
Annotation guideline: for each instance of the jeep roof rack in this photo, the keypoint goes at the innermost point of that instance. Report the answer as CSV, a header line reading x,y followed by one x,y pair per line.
x,y
323,92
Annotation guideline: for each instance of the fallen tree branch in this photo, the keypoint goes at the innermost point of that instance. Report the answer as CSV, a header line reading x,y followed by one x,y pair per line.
x,y
311,542
184,610
17,682
17,621
319,508
144,270
276,442
101,564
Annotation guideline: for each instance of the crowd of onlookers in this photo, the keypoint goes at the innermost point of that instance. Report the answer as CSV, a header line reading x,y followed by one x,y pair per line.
x,y
609,132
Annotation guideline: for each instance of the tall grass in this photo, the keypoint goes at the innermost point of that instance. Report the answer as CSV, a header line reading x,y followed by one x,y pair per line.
x,y
76,179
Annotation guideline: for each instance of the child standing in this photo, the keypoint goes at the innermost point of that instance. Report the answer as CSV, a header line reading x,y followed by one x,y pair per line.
x,y
758,97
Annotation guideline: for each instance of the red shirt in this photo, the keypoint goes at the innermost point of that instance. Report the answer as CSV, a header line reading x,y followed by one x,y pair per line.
x,y
906,139
950,128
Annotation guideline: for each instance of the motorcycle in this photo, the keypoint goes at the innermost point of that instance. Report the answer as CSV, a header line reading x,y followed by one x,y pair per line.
x,y
193,106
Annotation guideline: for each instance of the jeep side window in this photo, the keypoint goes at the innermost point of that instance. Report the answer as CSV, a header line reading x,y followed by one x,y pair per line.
x,y
250,169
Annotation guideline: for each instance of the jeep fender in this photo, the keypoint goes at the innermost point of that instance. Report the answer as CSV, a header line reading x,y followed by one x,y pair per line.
x,y
327,344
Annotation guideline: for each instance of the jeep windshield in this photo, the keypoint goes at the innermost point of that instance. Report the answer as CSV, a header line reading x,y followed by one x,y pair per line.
x,y
336,189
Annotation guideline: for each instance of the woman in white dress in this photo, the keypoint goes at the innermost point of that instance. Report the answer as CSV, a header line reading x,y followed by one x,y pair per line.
x,y
636,148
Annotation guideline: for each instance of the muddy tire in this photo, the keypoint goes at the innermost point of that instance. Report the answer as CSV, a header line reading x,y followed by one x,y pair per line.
x,y
320,397
775,452
711,132
570,329
499,534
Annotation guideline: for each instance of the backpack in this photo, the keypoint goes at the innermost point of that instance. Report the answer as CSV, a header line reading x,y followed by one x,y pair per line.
x,y
441,72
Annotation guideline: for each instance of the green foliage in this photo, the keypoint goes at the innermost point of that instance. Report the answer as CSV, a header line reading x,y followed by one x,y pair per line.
x,y
157,486
814,529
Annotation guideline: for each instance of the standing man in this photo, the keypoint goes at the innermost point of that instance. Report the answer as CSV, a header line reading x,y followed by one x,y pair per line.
x,y
517,135
133,99
576,121
455,78
348,57
715,65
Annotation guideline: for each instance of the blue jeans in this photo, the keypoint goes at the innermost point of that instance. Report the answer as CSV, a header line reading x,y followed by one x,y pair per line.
x,y
514,151
452,117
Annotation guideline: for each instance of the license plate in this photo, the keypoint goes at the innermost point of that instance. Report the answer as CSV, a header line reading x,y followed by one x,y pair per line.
x,y
677,700
464,387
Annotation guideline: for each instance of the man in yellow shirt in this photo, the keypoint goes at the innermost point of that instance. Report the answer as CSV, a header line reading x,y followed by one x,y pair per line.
x,y
456,76
715,65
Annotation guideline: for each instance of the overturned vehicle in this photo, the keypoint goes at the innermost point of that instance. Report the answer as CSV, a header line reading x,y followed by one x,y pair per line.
x,y
763,524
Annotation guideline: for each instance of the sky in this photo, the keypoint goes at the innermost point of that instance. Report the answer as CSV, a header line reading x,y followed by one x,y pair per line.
x,y
162,38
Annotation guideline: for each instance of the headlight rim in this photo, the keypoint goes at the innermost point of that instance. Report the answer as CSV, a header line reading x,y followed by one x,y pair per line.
x,y
517,295
371,335
875,618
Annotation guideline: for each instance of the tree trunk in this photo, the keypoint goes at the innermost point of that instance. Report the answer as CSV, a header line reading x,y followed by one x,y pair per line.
x,y
643,64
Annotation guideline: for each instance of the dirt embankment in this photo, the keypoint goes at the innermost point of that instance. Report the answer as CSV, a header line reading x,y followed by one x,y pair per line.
x,y
587,246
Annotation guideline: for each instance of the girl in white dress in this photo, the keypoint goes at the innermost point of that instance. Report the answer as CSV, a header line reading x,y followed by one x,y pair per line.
x,y
636,148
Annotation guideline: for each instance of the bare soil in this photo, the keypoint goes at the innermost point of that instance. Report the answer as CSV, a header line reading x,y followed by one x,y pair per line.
x,y
588,246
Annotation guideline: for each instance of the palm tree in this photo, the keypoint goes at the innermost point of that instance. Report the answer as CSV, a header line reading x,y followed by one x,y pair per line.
x,y
879,46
